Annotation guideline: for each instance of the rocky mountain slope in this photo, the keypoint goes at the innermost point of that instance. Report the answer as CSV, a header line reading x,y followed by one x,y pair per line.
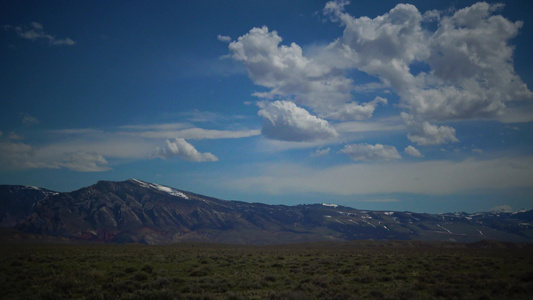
x,y
142,212
16,202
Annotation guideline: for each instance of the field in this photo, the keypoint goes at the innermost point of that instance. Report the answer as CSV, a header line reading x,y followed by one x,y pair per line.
x,y
354,270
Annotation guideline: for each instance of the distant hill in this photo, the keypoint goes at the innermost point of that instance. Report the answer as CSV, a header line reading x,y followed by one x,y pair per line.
x,y
142,212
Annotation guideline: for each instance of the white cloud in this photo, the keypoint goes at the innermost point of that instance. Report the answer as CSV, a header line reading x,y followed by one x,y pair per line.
x,y
354,112
320,152
84,162
383,46
470,59
366,152
412,151
387,124
196,134
181,148
427,177
471,52
224,38
16,156
443,65
518,114
283,120
425,134
36,32
159,127
88,149
288,73
183,130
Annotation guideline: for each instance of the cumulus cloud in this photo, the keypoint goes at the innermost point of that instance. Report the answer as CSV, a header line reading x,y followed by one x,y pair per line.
x,y
412,151
383,46
443,65
472,64
366,152
182,149
288,73
283,120
425,134
355,112
470,59
36,32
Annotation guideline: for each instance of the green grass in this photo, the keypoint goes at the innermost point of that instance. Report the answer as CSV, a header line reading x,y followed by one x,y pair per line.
x,y
355,270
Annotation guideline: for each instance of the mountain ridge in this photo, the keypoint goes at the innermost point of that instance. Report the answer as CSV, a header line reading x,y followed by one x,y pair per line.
x,y
142,212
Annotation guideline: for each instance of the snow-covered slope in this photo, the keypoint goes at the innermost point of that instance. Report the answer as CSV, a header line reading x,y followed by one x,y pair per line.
x,y
161,188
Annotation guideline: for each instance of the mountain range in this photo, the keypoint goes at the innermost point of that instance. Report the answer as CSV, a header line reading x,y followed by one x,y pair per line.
x,y
134,211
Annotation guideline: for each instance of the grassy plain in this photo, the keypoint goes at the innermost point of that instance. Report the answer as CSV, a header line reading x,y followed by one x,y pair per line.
x,y
352,270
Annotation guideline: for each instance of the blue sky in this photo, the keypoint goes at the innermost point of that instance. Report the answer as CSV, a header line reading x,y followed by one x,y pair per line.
x,y
425,106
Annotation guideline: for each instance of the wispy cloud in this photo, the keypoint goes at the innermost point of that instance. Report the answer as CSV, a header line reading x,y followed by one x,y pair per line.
x,y
28,120
20,156
185,131
84,162
320,152
366,152
91,150
195,134
388,200
35,32
437,177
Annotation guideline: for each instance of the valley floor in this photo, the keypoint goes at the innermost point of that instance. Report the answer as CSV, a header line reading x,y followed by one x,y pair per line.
x,y
352,270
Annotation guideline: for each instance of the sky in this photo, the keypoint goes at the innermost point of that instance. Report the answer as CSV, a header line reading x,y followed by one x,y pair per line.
x,y
424,106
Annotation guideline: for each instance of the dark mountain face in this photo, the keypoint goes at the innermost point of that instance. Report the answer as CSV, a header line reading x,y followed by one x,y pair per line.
x,y
137,211
17,201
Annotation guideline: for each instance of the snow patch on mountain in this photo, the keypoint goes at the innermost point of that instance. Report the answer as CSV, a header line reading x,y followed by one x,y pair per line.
x,y
330,205
46,192
161,188
444,228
